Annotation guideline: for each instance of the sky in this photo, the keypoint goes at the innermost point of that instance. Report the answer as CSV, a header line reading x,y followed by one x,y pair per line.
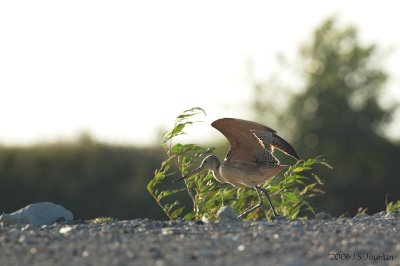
x,y
123,70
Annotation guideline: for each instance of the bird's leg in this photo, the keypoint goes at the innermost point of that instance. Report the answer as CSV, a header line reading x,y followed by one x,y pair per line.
x,y
269,199
243,214
261,203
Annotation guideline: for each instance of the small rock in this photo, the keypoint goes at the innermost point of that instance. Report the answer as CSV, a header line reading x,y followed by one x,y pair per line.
x,y
323,216
167,230
65,230
37,214
361,217
279,218
295,223
390,215
241,247
199,222
205,220
380,214
26,227
226,214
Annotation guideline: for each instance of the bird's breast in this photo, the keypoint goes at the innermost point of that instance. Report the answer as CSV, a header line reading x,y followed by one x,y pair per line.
x,y
247,176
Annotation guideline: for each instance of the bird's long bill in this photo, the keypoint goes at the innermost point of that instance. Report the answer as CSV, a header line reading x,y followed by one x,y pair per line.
x,y
195,171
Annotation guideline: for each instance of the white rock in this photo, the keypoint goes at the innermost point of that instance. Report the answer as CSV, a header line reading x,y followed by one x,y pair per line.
x,y
65,230
37,214
226,214
322,216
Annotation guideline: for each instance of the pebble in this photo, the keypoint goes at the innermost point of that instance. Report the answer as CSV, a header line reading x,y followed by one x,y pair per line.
x,y
226,214
323,216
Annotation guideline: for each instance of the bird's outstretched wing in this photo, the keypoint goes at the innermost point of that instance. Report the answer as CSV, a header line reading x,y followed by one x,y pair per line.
x,y
270,141
245,147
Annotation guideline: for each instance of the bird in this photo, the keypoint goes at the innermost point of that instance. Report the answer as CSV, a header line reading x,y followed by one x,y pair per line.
x,y
249,161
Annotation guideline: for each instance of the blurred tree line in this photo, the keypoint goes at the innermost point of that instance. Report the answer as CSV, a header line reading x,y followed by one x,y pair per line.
x,y
338,113
89,178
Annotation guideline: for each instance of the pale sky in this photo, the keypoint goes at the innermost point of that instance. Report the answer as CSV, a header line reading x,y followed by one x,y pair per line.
x,y
122,70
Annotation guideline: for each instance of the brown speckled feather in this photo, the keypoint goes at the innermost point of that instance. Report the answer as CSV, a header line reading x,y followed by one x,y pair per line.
x,y
245,147
271,140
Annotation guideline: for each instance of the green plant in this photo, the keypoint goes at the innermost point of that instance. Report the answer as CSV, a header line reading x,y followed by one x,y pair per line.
x,y
290,193
361,211
393,206
179,158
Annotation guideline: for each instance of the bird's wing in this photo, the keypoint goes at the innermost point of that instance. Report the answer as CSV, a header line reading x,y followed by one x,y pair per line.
x,y
270,141
245,147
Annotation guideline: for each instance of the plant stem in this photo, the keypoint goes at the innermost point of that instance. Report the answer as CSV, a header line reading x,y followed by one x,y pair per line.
x,y
161,206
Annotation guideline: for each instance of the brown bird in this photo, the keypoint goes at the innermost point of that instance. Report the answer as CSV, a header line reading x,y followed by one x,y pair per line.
x,y
249,161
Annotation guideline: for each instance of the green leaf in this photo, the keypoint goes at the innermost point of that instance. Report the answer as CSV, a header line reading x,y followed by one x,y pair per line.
x,y
191,112
177,212
150,185
317,178
189,216
177,148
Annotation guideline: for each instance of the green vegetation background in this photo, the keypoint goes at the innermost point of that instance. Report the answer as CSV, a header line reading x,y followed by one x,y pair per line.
x,y
89,178
336,111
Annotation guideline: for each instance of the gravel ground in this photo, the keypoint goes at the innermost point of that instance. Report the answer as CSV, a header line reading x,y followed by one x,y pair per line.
x,y
362,240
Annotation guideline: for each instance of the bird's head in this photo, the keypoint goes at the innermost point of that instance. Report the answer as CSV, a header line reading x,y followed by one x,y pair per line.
x,y
209,163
